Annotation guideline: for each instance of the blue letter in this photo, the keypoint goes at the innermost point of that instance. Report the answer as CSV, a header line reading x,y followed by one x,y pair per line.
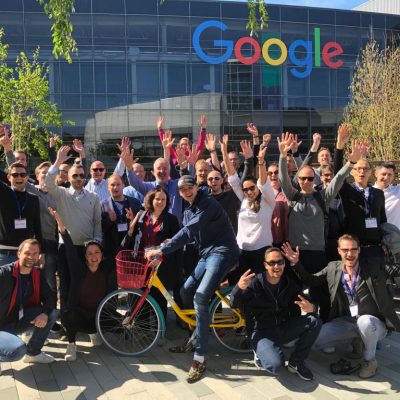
x,y
221,43
306,62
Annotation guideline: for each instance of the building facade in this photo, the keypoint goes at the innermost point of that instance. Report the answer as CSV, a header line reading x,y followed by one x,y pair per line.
x,y
139,59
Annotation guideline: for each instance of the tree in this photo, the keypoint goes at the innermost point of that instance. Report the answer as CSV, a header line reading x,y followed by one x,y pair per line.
x,y
24,101
59,11
372,111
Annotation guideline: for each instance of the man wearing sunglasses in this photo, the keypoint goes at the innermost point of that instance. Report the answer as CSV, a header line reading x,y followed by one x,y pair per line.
x,y
97,183
275,302
19,213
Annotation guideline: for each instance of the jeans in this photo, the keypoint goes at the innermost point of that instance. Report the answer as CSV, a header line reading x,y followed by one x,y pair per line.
x,y
50,248
8,258
267,343
11,346
341,331
199,289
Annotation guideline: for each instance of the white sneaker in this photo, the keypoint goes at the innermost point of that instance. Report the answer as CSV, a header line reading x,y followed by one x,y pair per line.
x,y
41,358
95,339
70,353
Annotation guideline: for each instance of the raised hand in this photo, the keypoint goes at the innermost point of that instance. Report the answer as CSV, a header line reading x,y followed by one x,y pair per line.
x,y
365,148
57,217
180,152
78,147
224,143
343,135
291,255
266,138
304,305
245,279
261,155
167,141
210,142
316,142
127,158
192,155
252,129
203,121
247,151
6,140
53,140
125,144
285,143
295,144
62,155
160,122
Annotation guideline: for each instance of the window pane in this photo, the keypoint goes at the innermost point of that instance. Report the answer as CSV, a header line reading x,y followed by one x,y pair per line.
x,y
177,82
142,32
348,18
295,14
319,16
109,29
171,7
178,35
37,29
100,77
13,28
116,78
70,78
349,38
32,5
11,5
147,78
86,77
109,6
141,7
83,6
205,9
320,82
82,29
201,81
232,10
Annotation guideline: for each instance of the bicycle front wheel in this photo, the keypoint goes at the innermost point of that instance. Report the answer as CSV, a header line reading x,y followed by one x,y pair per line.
x,y
235,339
125,337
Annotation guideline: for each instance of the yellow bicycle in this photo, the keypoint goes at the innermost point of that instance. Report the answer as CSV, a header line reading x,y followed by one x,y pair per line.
x,y
130,321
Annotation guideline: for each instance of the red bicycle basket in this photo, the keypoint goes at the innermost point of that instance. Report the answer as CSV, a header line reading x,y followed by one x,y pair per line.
x,y
132,269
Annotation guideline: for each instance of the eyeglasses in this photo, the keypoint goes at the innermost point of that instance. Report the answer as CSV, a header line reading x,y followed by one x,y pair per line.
x,y
359,169
273,172
76,176
63,170
98,169
306,178
275,262
213,178
250,188
19,174
352,250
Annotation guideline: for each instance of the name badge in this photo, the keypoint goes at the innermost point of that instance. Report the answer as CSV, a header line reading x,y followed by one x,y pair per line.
x,y
371,223
122,227
354,310
21,313
20,223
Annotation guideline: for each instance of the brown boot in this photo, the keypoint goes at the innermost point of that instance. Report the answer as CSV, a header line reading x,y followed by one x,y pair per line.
x,y
358,347
368,369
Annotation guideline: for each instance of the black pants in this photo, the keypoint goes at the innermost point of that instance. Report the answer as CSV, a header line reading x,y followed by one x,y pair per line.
x,y
75,321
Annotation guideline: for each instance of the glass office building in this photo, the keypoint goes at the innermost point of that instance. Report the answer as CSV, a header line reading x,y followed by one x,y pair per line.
x,y
137,60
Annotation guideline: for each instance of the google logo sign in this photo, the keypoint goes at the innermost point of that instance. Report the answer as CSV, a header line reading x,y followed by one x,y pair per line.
x,y
302,66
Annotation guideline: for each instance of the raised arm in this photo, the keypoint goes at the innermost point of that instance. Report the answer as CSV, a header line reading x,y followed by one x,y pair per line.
x,y
211,146
230,169
167,143
284,146
202,135
342,138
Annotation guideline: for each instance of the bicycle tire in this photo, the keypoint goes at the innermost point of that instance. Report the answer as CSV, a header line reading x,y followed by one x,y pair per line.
x,y
234,339
136,338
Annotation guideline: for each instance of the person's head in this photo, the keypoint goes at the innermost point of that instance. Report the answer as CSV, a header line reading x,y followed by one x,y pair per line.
x,y
349,250
185,143
115,187
139,171
326,174
41,171
161,170
18,176
291,165
324,156
250,188
215,182
21,157
97,171
384,174
273,175
29,253
361,172
63,172
202,169
274,263
76,177
188,188
93,254
234,159
156,200
306,178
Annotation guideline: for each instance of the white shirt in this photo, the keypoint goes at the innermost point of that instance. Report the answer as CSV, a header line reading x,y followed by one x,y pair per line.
x,y
100,188
392,204
254,229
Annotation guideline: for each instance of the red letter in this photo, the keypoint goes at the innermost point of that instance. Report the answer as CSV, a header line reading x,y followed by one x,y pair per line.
x,y
238,49
326,55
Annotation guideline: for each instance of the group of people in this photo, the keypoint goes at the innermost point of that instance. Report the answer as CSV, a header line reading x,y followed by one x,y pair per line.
x,y
270,228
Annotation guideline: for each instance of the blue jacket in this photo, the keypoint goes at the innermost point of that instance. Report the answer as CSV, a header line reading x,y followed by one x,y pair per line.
x,y
206,223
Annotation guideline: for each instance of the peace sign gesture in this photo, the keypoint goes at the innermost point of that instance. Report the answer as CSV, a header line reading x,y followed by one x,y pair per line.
x,y
245,279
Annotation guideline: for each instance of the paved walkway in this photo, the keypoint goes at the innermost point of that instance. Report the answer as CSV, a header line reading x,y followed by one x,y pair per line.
x,y
98,374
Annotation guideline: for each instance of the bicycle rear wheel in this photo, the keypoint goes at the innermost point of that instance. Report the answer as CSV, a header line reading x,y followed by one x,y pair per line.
x,y
234,339
129,338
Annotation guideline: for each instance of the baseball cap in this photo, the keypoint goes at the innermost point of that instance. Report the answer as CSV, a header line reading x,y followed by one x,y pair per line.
x,y
186,180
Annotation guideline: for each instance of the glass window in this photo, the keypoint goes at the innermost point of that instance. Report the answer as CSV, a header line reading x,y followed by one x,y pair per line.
x,y
274,12
141,7
32,5
271,102
142,32
171,7
83,6
326,124
84,123
205,9
82,29
291,32
100,77
116,78
378,20
343,82
116,100
70,101
295,14
326,32
87,101
234,10
13,28
109,29
319,16
70,78
348,18
177,82
178,35
201,78
37,29
86,77
320,103
147,78
109,7
366,20
392,22
297,122
349,38
11,5
320,82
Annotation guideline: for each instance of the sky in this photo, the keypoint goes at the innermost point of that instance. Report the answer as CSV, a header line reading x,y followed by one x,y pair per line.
x,y
344,4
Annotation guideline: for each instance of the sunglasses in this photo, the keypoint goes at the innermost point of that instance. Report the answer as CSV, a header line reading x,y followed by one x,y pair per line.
x,y
250,188
273,172
306,178
98,169
19,174
213,178
275,262
76,176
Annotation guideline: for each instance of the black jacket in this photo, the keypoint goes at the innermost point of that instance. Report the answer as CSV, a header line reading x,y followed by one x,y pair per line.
x,y
7,284
373,270
266,310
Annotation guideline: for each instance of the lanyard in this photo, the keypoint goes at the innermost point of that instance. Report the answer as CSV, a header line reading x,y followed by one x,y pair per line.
x,y
26,291
120,212
20,209
367,201
352,292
